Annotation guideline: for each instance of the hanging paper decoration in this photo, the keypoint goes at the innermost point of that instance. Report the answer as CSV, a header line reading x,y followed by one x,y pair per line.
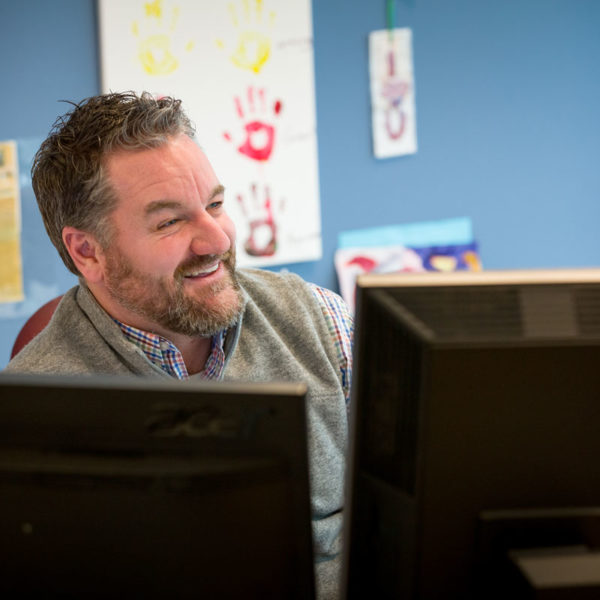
x,y
392,93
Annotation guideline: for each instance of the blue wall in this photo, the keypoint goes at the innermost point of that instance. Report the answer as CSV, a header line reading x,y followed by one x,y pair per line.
x,y
508,97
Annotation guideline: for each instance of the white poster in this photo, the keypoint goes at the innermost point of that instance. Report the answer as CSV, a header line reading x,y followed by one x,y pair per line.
x,y
392,93
244,71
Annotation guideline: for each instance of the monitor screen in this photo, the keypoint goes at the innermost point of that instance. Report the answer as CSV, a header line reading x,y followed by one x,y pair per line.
x,y
475,435
114,487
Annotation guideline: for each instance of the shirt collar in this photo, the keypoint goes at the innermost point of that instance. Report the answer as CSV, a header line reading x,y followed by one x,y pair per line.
x,y
167,356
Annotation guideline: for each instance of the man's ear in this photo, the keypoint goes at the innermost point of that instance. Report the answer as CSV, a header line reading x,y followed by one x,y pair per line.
x,y
86,253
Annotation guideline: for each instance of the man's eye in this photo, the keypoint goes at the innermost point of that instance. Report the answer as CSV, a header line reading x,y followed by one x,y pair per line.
x,y
215,205
168,223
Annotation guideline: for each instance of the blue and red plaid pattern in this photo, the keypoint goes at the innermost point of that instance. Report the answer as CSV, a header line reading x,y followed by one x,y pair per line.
x,y
165,354
341,327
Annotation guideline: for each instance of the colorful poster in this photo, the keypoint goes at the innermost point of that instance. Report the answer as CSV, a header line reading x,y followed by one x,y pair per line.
x,y
444,245
392,93
244,70
11,272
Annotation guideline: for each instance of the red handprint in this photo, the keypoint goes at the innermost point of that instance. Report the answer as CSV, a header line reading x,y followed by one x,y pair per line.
x,y
259,135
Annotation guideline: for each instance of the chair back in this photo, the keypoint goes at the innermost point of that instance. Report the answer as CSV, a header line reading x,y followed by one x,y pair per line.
x,y
38,320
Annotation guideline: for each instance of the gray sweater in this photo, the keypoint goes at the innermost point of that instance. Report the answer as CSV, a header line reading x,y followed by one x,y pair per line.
x,y
282,336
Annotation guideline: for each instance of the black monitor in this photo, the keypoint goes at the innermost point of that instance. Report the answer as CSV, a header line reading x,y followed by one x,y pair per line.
x,y
475,451
136,488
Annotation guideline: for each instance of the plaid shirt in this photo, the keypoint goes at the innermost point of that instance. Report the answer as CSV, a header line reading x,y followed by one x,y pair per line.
x,y
165,354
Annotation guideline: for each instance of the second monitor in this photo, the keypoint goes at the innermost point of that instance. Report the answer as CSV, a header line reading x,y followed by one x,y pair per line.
x,y
476,410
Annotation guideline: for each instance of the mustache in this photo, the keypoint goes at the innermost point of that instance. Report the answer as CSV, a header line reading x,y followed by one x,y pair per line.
x,y
197,263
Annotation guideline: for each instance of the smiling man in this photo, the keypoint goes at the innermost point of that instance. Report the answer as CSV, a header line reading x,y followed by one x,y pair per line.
x,y
170,266
137,213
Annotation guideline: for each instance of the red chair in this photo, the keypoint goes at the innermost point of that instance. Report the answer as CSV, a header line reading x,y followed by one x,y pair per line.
x,y
36,322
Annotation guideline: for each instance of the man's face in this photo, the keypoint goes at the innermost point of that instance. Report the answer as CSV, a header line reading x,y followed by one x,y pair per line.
x,y
171,265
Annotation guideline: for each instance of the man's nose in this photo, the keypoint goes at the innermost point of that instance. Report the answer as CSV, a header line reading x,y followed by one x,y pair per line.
x,y
209,237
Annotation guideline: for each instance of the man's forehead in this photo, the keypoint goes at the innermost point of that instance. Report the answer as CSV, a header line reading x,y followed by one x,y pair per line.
x,y
132,171
171,146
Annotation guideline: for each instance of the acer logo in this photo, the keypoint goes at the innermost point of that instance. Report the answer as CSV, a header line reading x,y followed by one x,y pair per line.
x,y
207,421
204,422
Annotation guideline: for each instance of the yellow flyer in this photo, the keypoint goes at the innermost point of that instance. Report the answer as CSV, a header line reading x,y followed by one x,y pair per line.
x,y
11,264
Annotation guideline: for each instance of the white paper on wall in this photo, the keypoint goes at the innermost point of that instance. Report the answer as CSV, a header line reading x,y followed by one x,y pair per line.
x,y
244,71
392,93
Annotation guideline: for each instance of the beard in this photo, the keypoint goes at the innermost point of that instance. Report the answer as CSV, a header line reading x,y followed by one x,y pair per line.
x,y
164,300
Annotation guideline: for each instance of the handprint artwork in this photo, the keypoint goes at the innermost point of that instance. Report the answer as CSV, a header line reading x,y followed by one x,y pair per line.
x,y
259,136
262,226
156,33
253,44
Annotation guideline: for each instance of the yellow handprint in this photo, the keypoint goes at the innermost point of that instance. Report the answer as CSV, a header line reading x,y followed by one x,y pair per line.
x,y
253,47
155,49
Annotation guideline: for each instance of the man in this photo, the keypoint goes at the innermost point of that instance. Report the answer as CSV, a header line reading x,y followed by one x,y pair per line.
x,y
136,211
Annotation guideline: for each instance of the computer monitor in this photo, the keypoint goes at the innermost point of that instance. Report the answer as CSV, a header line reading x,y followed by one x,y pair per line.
x,y
138,488
474,469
